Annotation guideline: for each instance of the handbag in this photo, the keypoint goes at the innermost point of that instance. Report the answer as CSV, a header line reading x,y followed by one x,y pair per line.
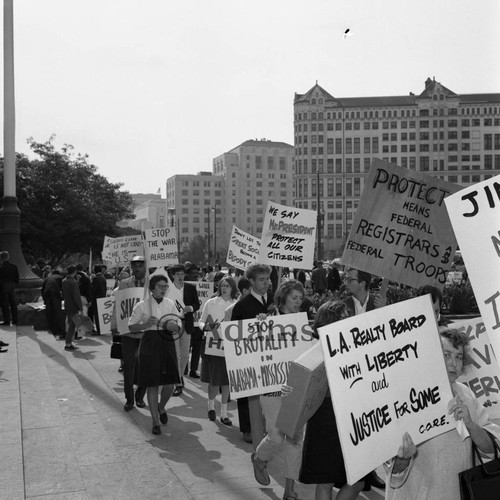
x,y
481,482
116,348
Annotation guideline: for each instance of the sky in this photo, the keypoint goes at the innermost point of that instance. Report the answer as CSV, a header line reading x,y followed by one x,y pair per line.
x,y
156,88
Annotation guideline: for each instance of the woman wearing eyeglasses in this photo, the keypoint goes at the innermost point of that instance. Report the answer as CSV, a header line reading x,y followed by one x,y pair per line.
x,y
155,319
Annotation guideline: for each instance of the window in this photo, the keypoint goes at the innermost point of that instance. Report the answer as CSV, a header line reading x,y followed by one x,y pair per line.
x,y
338,146
488,141
357,145
348,146
366,145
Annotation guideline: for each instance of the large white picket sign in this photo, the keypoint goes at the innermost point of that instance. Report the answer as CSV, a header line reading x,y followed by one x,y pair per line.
x,y
401,229
125,300
475,216
387,376
258,353
161,246
243,249
121,250
482,374
288,237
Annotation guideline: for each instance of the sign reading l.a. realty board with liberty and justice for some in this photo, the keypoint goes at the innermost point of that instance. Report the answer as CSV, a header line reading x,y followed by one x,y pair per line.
x,y
387,376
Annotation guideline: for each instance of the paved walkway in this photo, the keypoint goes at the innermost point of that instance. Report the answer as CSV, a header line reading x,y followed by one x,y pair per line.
x,y
64,434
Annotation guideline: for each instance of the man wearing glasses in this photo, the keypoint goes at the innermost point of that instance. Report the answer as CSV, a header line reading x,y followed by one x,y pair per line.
x,y
359,301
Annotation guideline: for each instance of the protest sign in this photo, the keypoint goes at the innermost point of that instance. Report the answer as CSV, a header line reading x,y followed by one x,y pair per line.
x,y
161,246
125,300
401,230
243,249
258,353
104,312
482,374
110,286
288,237
205,290
475,215
307,377
387,376
122,250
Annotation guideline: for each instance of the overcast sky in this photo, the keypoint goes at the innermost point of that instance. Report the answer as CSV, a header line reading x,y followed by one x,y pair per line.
x,y
155,88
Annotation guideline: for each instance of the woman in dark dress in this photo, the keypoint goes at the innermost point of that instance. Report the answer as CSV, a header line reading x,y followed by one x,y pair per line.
x,y
157,317
322,460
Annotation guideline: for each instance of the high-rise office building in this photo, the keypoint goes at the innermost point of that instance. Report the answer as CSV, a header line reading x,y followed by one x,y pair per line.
x,y
453,136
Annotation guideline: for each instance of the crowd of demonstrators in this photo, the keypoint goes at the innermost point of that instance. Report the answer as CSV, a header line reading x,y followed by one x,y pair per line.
x,y
214,371
9,278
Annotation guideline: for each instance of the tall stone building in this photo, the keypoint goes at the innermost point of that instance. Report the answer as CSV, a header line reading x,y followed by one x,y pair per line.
x,y
235,192
453,136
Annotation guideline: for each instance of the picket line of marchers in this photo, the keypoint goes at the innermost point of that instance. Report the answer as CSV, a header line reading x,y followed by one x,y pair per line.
x,y
389,358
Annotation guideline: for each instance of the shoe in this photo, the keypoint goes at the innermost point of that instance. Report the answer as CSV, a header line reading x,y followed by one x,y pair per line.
x,y
194,375
128,406
120,369
376,481
211,415
156,430
247,437
163,416
140,403
226,421
3,344
260,470
177,391
70,347
3,350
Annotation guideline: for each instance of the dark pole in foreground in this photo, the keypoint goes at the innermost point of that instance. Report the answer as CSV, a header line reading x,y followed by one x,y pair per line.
x,y
10,215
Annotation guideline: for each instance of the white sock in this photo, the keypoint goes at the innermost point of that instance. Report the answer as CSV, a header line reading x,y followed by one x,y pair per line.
x,y
223,410
211,404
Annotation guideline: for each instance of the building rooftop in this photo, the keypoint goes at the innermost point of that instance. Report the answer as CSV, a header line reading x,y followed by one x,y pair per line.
x,y
262,143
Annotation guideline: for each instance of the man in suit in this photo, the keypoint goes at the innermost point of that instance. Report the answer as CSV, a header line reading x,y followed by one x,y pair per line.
x,y
52,296
252,305
359,301
130,341
72,304
185,297
9,278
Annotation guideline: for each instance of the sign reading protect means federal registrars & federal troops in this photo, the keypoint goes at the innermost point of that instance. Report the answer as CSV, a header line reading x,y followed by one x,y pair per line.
x,y
401,230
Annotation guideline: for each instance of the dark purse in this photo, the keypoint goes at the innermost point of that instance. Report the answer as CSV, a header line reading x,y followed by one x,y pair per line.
x,y
481,482
116,348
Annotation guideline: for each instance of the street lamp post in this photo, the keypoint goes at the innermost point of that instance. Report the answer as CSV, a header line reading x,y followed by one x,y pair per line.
x,y
214,208
318,219
209,253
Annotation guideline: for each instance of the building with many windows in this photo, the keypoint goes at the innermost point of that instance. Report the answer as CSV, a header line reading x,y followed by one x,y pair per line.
x,y
453,136
235,192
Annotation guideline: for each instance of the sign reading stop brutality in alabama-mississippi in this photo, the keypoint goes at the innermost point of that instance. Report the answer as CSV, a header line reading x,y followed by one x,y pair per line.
x,y
122,250
475,215
161,246
482,374
387,376
125,300
288,237
401,230
258,353
243,249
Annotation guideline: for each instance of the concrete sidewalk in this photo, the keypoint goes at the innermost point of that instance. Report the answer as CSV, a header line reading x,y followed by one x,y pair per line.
x,y
64,433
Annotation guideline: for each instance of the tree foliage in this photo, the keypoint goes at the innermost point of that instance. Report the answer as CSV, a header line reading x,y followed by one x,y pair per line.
x,y
196,250
66,206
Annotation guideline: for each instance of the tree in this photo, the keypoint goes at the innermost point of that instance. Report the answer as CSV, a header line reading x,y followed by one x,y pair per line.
x,y
66,206
196,250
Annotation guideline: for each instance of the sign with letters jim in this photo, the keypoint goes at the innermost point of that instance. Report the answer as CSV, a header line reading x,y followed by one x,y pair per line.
x,y
387,376
475,215
401,230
